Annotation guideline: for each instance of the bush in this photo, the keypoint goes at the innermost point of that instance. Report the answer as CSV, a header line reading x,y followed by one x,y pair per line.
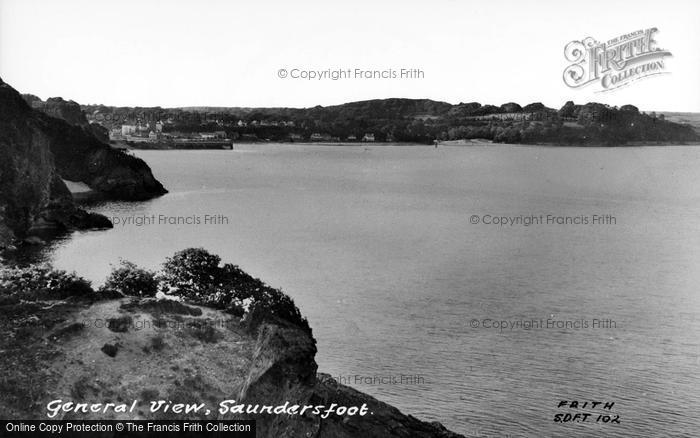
x,y
195,275
41,282
274,305
131,280
190,273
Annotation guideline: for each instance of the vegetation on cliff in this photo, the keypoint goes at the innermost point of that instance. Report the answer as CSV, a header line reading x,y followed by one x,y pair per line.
x,y
102,347
38,282
197,276
130,280
193,275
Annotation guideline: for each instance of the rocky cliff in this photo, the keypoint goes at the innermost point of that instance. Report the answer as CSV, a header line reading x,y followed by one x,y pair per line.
x,y
44,143
59,108
126,349
247,354
283,370
82,154
33,197
69,111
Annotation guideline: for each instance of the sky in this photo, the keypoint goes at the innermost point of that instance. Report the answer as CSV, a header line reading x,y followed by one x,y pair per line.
x,y
228,53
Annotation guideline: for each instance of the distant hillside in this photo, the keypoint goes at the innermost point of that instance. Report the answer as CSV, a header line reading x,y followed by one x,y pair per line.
x,y
390,107
692,119
415,121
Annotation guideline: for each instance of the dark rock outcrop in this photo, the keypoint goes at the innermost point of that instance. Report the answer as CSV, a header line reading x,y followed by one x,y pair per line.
x,y
33,197
275,366
70,111
384,420
33,101
67,110
81,153
99,131
284,369
81,157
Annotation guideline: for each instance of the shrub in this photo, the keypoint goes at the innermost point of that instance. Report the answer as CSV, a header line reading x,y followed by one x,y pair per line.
x,y
272,304
195,275
191,273
42,282
131,280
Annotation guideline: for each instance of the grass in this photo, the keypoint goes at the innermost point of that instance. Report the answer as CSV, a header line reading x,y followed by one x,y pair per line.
x,y
119,325
161,307
205,332
82,389
68,331
158,343
24,379
149,394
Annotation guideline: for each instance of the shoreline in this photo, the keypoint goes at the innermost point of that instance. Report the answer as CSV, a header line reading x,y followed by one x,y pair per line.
x,y
446,143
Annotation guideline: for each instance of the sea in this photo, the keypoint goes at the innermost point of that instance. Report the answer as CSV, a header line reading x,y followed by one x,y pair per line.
x,y
492,288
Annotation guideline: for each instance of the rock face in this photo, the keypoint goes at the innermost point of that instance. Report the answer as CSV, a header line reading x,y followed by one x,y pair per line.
x,y
33,197
283,369
80,153
59,108
79,156
52,350
69,111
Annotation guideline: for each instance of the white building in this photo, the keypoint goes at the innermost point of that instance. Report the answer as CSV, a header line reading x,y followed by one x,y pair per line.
x,y
128,130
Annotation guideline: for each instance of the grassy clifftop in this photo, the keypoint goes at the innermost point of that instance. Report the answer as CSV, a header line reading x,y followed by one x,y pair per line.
x,y
64,341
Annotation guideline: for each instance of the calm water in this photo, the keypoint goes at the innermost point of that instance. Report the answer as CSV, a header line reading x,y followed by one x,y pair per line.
x,y
375,245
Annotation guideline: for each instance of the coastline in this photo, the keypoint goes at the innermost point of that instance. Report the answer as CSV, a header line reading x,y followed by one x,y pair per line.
x,y
445,143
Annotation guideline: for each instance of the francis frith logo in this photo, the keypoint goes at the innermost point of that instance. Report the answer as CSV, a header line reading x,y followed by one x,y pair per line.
x,y
614,63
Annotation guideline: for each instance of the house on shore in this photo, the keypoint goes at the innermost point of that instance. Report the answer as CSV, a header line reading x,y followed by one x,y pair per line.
x,y
320,137
128,130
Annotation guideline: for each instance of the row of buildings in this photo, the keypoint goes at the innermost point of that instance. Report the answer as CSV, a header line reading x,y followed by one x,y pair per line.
x,y
153,132
283,123
368,137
